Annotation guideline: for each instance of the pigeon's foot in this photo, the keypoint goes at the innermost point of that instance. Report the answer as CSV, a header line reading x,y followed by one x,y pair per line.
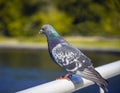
x,y
65,77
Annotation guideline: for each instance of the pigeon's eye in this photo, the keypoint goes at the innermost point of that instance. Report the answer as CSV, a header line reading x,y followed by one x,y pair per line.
x,y
43,29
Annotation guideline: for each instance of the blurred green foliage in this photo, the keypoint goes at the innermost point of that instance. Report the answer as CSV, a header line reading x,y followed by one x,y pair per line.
x,y
83,17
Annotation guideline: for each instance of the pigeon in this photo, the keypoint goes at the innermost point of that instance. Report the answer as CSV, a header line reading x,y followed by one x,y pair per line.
x,y
71,58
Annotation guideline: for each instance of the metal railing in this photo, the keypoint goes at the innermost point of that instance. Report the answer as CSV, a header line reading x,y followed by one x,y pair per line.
x,y
68,86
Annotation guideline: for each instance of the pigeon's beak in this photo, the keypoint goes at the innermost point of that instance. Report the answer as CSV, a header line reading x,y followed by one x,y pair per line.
x,y
41,31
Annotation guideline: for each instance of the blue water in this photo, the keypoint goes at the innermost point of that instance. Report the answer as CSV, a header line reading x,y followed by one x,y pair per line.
x,y
24,69
12,80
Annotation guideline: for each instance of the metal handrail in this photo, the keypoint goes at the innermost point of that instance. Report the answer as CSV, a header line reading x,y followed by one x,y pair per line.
x,y
68,86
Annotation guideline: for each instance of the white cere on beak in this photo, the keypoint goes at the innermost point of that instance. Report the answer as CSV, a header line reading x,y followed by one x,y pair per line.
x,y
40,32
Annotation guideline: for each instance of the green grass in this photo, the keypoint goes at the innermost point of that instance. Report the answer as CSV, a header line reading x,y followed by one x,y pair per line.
x,y
94,42
83,42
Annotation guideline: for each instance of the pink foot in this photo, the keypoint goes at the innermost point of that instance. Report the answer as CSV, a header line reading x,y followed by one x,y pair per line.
x,y
65,77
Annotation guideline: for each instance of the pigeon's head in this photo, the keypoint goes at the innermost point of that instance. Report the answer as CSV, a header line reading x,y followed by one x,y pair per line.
x,y
47,30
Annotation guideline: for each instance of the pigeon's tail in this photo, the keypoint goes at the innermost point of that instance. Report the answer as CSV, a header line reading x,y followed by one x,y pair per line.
x,y
93,75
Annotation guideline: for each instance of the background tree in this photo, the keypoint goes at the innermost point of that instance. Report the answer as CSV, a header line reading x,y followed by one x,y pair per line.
x,y
83,17
93,17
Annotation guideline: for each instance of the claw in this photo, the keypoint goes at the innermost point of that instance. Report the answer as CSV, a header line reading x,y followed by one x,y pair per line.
x,y
64,77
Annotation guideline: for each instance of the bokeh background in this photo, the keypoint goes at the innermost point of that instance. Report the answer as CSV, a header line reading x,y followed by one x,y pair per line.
x,y
83,17
91,25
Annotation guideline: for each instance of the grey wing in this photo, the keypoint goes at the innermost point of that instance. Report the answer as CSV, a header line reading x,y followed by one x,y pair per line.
x,y
70,57
74,61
